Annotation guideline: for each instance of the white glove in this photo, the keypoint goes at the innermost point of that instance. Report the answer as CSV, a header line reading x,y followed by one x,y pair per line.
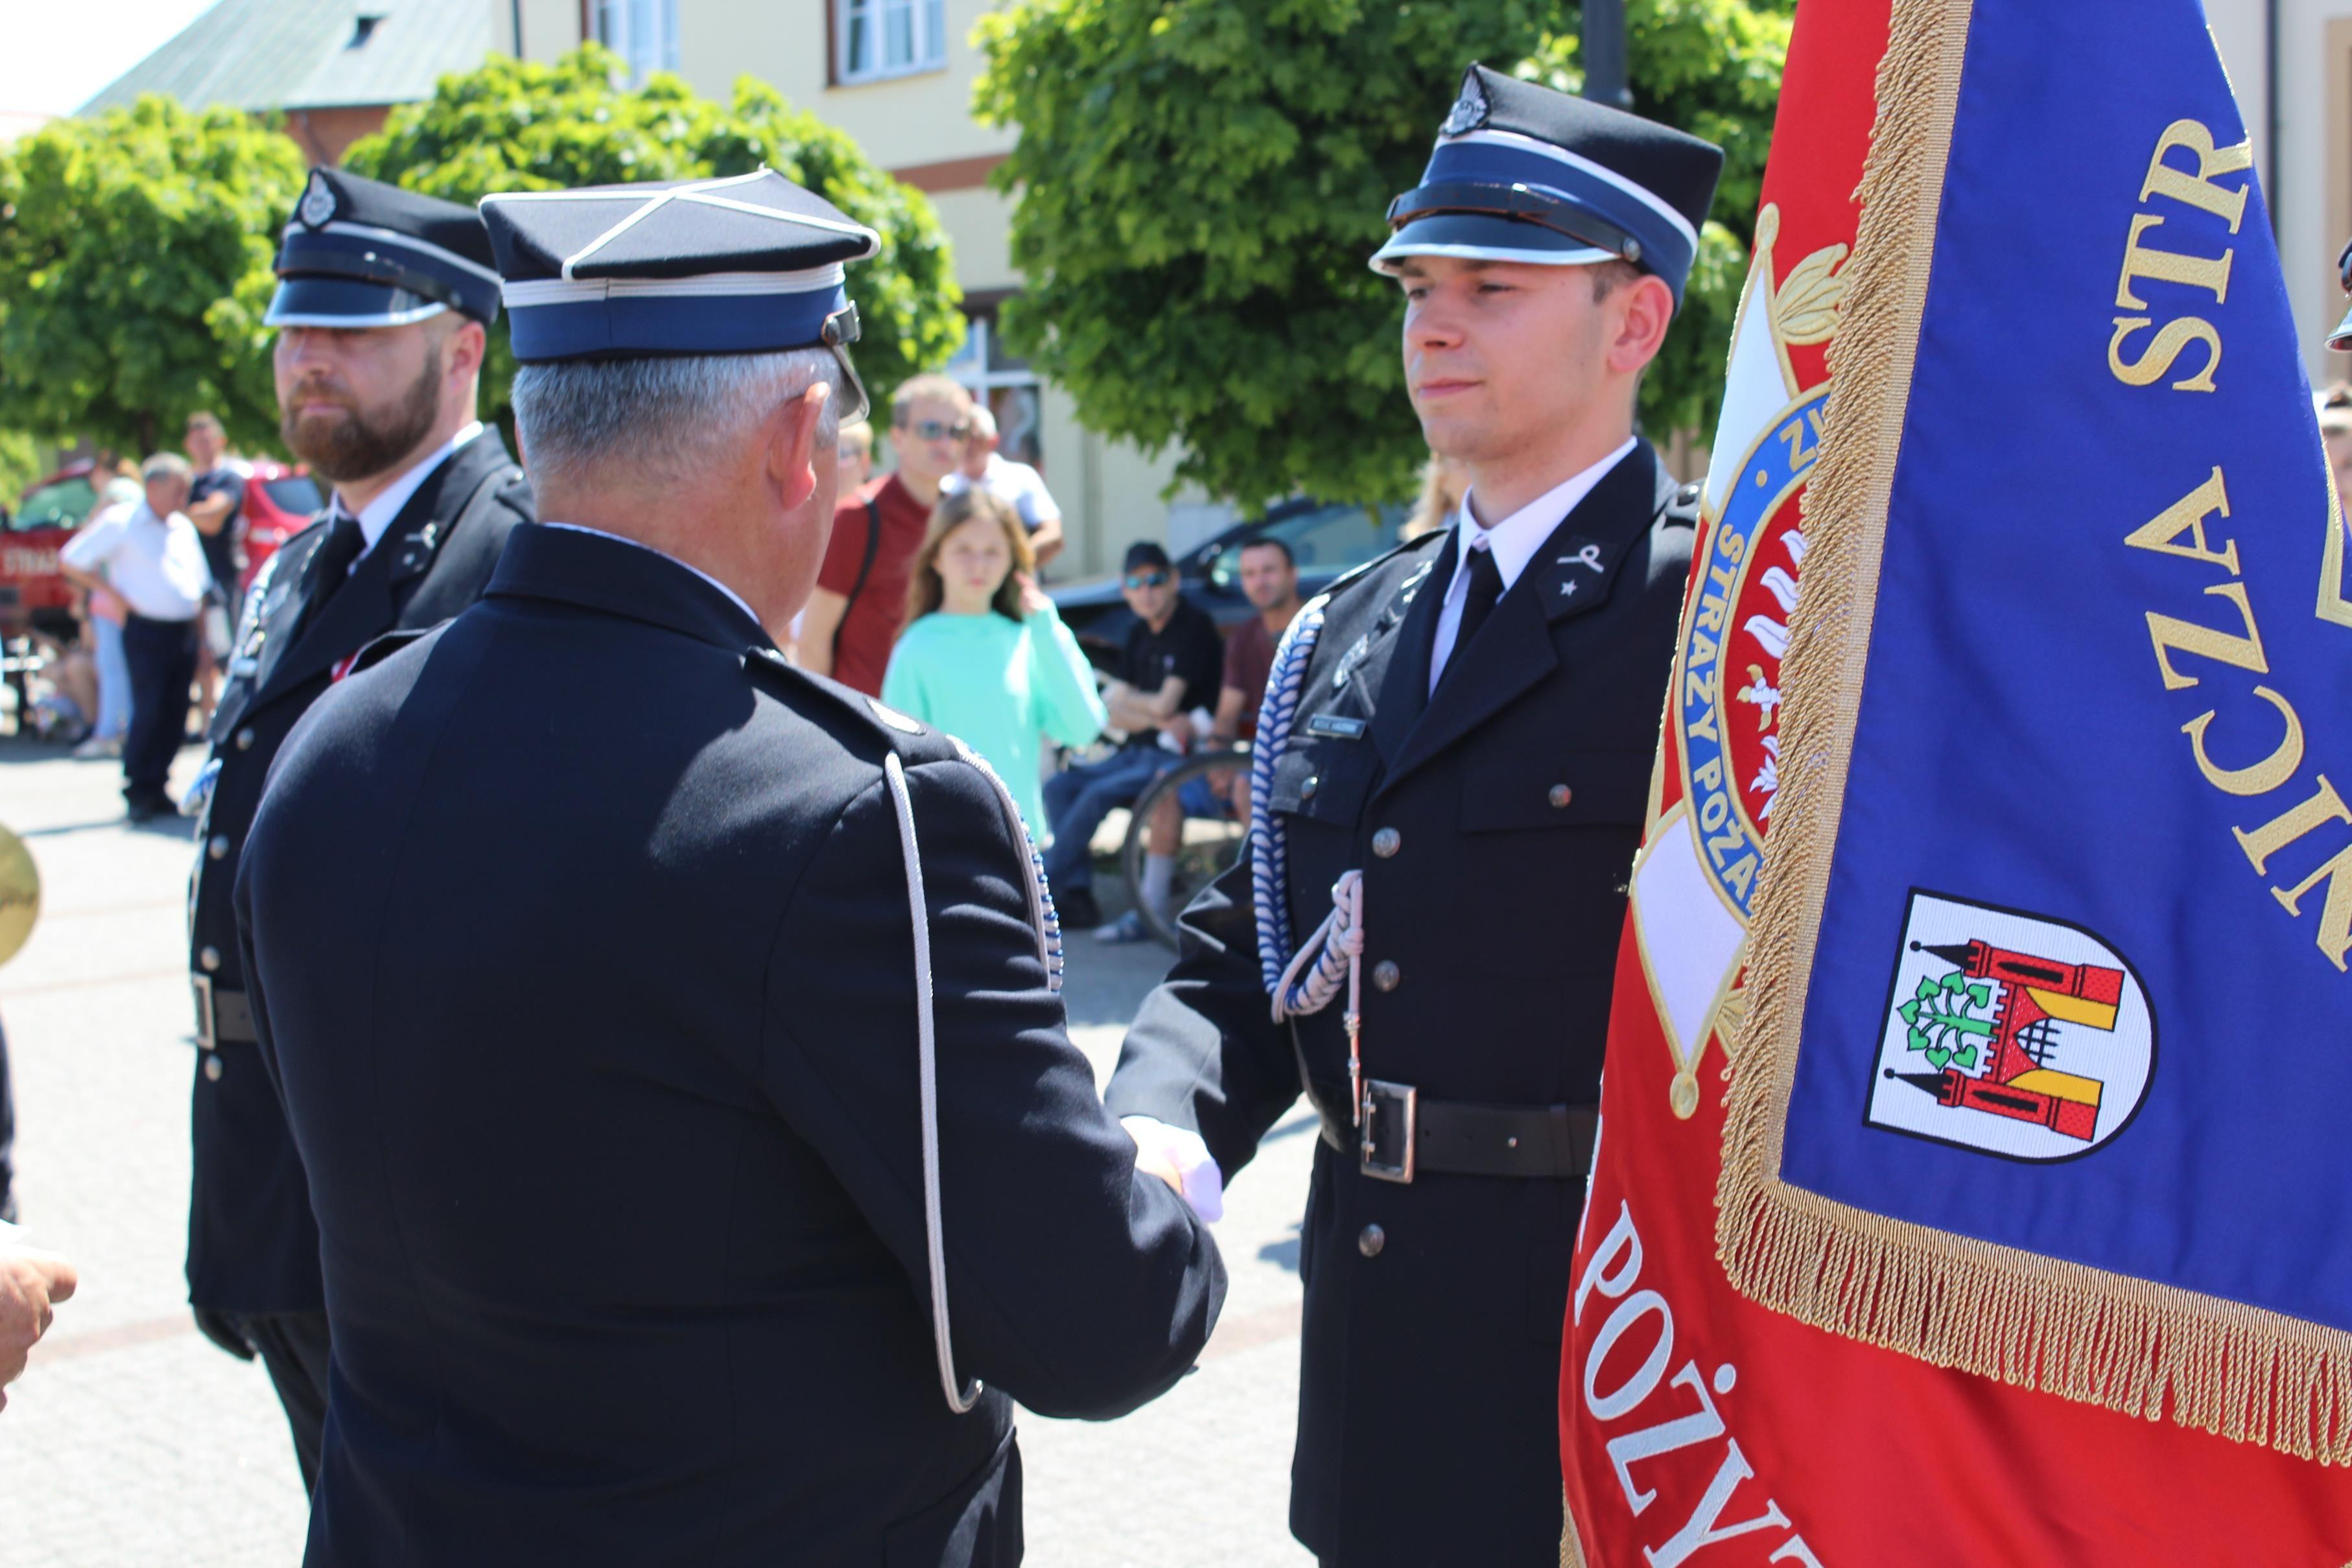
x,y
1203,1184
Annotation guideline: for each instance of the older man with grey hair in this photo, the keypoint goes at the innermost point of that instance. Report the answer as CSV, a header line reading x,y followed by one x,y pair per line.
x,y
701,1163
1016,483
148,555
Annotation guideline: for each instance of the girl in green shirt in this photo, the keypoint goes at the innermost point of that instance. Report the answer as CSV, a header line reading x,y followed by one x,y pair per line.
x,y
984,656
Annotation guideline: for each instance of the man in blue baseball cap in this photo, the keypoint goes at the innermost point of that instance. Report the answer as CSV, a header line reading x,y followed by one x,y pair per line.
x,y
1451,774
714,1168
383,305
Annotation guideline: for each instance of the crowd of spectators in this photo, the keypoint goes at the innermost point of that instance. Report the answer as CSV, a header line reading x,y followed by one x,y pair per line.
x,y
929,600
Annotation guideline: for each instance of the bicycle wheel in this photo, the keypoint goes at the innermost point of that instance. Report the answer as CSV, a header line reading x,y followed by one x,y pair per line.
x,y
1207,845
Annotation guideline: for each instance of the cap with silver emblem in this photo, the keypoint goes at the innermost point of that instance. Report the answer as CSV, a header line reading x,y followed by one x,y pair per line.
x,y
1523,173
752,264
360,253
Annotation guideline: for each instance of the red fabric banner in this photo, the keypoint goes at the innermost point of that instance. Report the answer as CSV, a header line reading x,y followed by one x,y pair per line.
x,y
1696,1427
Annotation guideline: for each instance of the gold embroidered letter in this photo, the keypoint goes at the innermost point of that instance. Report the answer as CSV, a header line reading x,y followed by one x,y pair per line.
x,y
2197,190
2260,778
2208,273
2335,914
2171,339
2325,806
2226,647
2187,515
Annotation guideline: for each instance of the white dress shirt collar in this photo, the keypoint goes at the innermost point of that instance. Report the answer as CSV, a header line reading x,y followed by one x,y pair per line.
x,y
1513,543
377,514
600,533
1515,539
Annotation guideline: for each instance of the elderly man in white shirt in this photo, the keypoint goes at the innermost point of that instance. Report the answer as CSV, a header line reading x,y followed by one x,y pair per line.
x,y
149,555
1017,484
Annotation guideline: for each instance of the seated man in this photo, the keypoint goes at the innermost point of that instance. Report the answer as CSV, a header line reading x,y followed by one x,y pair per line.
x,y
1172,660
1270,581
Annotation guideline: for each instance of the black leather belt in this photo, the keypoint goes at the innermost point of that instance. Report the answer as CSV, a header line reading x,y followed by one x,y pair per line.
x,y
223,1017
1403,1135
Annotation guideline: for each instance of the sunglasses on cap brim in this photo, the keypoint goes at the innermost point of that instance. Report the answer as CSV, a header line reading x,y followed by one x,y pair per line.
x,y
850,400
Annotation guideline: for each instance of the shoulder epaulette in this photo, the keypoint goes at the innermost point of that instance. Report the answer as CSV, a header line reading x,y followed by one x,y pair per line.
x,y
1682,509
375,653
1347,580
912,739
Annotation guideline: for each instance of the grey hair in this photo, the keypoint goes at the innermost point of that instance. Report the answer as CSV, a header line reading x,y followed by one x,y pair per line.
x,y
165,465
660,419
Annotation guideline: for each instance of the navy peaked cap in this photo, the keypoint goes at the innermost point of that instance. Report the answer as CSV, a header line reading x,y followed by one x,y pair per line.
x,y
751,263
1523,173
360,253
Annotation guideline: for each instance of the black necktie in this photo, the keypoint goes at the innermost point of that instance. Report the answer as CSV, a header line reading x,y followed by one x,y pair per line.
x,y
331,567
1485,587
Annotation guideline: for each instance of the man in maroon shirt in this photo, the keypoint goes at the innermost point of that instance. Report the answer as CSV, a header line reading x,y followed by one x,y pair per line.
x,y
860,599
1270,581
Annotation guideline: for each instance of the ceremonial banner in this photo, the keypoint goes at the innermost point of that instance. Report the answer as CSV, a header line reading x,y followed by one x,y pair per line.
x,y
2034,1071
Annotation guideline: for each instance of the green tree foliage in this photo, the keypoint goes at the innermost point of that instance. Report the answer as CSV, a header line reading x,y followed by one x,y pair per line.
x,y
514,126
1201,182
134,270
20,465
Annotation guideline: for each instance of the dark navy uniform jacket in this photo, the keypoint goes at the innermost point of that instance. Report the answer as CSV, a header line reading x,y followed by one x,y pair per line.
x,y
1427,1430
600,1047
252,1247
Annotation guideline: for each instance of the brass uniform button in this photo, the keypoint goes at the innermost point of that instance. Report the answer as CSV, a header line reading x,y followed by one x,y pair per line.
x,y
1560,794
1306,790
1387,841
1386,974
218,848
212,1069
209,958
1370,1239
245,738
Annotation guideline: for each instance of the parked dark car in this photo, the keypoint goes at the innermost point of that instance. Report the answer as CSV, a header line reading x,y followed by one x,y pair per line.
x,y
1325,539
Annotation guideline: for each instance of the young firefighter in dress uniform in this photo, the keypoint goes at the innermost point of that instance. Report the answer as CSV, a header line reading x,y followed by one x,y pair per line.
x,y
1453,762
385,300
681,1078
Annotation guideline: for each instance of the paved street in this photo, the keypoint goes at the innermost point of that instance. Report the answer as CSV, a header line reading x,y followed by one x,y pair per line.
x,y
132,1442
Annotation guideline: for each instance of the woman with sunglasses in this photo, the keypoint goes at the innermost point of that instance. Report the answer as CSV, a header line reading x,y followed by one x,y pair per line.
x,y
984,657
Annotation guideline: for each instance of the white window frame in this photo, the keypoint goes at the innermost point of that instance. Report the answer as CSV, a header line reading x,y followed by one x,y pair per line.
x,y
970,370
927,28
618,24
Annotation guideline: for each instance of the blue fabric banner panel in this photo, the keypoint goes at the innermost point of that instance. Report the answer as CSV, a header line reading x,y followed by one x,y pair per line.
x,y
2078,986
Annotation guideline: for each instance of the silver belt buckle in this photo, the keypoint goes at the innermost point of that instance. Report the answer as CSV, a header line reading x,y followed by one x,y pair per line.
x,y
206,1033
1400,1105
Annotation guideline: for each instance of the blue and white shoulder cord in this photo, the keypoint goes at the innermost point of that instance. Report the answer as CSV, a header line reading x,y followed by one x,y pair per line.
x,y
1303,982
960,1396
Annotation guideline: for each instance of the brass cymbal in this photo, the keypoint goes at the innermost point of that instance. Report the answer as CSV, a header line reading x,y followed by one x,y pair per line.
x,y
20,893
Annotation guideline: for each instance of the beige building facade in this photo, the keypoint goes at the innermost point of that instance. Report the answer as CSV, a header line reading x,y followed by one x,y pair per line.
x,y
898,76
2290,63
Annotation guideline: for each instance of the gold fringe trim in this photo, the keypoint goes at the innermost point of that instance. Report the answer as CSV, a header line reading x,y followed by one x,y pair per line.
x,y
2083,1333
1572,1549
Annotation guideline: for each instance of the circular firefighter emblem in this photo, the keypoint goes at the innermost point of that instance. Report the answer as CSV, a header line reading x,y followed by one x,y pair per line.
x,y
1727,709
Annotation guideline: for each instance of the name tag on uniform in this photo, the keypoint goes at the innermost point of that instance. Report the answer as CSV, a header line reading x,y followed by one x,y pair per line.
x,y
1332,726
